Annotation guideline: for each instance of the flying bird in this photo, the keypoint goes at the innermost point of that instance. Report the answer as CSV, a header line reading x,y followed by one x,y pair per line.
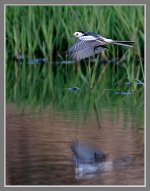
x,y
89,44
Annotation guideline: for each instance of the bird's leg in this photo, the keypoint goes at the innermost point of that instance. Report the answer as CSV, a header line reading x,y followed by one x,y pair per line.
x,y
104,57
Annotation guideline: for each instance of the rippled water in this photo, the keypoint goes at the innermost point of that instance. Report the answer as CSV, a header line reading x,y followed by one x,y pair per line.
x,y
38,148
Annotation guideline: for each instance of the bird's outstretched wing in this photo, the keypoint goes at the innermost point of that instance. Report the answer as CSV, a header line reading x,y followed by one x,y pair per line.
x,y
84,49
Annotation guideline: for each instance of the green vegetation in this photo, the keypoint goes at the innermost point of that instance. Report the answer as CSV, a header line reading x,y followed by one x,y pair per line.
x,y
45,32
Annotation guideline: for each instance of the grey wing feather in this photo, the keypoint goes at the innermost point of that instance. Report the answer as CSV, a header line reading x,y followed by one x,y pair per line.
x,y
85,49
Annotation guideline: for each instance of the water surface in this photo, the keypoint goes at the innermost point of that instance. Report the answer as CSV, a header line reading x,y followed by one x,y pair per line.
x,y
38,148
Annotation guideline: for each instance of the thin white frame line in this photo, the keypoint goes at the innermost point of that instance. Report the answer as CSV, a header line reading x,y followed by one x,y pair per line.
x,y
4,101
145,61
34,4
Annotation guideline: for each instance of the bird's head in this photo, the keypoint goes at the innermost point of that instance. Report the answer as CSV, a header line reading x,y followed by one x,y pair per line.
x,y
78,34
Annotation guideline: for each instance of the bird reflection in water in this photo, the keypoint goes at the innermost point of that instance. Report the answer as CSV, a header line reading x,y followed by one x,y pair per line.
x,y
90,161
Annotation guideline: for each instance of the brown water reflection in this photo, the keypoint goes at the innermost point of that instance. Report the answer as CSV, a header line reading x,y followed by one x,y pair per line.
x,y
38,147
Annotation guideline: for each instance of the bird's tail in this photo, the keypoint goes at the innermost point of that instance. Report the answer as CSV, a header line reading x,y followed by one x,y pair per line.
x,y
124,43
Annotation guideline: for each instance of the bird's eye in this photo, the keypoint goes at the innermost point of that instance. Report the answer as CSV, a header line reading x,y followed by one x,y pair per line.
x,y
77,34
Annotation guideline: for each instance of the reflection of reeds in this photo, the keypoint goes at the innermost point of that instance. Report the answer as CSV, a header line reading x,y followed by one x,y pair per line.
x,y
97,115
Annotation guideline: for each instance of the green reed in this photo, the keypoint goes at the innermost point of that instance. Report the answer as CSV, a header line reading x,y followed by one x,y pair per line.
x,y
43,29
